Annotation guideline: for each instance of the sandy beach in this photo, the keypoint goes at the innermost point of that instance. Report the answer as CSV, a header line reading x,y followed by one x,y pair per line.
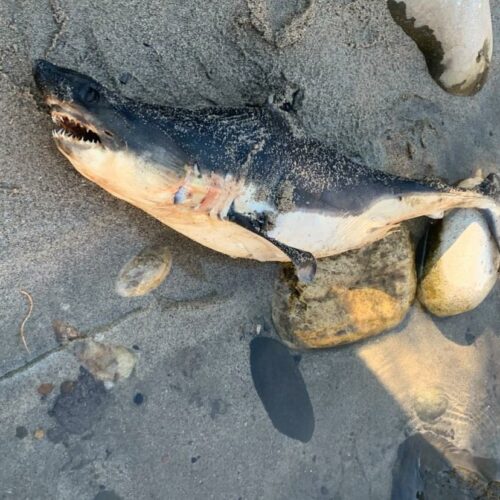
x,y
199,429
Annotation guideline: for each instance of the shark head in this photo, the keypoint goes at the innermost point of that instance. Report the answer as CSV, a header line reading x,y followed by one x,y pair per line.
x,y
108,138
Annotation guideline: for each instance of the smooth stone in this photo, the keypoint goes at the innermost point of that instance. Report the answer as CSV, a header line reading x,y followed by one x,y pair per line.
x,y
455,38
430,404
107,362
144,272
461,264
354,295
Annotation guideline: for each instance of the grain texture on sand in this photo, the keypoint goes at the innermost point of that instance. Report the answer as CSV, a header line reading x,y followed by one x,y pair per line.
x,y
355,80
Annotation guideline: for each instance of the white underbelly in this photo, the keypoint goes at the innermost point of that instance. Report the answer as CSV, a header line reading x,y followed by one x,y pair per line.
x,y
219,235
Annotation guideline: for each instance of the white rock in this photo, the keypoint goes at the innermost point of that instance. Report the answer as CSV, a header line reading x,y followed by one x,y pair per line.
x,y
455,36
461,265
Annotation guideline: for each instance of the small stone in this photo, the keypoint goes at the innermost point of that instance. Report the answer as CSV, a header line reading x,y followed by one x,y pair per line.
x,y
39,434
430,404
125,78
106,362
45,389
354,295
67,387
65,332
139,399
144,272
461,264
21,432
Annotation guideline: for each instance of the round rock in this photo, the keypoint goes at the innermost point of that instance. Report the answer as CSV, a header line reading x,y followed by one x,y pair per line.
x,y
461,264
455,38
144,272
430,404
354,295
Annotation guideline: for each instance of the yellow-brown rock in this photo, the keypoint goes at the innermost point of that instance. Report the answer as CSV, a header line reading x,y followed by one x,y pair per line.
x,y
354,295
144,272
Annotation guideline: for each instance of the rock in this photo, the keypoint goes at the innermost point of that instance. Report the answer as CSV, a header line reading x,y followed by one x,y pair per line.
x,y
144,272
39,434
45,389
461,264
455,38
430,403
65,332
21,432
354,295
106,362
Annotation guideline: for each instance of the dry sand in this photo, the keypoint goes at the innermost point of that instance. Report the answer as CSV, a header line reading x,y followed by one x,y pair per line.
x,y
201,431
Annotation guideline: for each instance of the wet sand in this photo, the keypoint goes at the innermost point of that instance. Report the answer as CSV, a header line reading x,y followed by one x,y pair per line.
x,y
199,429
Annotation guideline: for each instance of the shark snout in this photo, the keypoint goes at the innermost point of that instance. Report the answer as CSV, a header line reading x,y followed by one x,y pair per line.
x,y
45,74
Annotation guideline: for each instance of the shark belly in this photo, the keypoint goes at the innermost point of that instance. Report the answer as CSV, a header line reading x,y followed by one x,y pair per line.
x,y
217,234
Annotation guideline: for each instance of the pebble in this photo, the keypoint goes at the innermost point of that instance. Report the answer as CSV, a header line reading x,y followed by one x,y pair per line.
x,y
21,432
106,362
39,434
144,272
138,399
430,404
354,295
45,389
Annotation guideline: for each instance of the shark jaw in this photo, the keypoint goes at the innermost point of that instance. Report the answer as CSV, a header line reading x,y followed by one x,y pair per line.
x,y
197,214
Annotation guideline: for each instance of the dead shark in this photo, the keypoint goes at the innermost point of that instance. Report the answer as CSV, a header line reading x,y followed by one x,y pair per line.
x,y
238,180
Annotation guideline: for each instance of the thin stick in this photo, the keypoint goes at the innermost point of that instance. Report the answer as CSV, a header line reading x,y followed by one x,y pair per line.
x,y
21,328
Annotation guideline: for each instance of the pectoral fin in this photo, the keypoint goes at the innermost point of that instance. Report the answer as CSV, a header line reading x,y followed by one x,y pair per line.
x,y
304,262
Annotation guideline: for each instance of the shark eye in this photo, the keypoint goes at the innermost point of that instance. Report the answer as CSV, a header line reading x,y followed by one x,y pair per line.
x,y
90,95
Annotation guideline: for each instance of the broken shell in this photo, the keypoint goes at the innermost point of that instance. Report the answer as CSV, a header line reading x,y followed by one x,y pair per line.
x,y
106,362
455,38
354,295
144,272
461,264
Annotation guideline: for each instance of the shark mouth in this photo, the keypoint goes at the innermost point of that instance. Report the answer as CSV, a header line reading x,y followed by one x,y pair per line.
x,y
70,128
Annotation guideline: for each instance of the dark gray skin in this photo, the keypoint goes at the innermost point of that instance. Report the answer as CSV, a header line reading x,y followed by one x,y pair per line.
x,y
254,144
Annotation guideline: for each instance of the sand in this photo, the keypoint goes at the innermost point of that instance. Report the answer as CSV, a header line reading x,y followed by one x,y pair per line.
x,y
201,430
